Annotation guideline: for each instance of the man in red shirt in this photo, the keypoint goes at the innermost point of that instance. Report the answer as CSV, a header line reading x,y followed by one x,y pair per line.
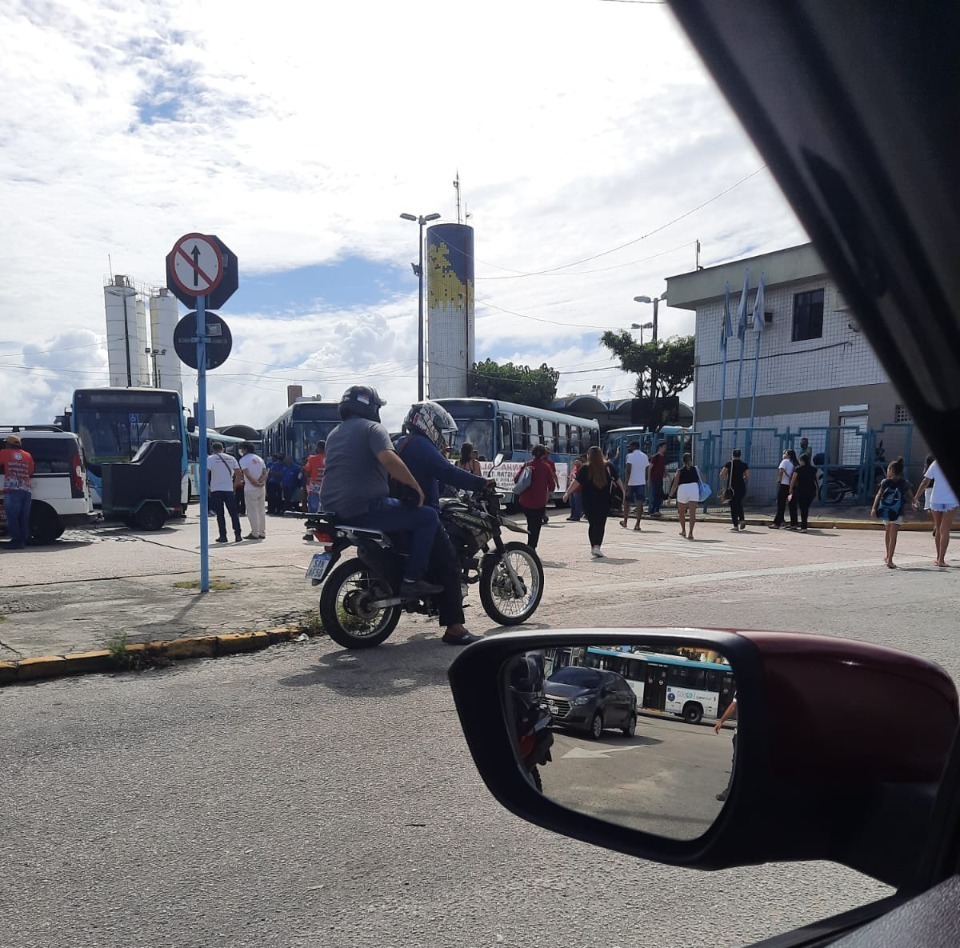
x,y
17,467
312,478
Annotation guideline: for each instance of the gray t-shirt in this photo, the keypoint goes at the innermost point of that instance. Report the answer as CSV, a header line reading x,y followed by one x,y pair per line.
x,y
353,476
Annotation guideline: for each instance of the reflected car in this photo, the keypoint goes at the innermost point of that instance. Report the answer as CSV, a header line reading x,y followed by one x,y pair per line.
x,y
590,700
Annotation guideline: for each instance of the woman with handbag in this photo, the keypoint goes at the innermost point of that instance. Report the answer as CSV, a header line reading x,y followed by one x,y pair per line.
x,y
686,488
533,497
595,482
736,472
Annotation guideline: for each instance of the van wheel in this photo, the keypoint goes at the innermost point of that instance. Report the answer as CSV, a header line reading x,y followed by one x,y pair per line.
x,y
150,516
45,526
692,713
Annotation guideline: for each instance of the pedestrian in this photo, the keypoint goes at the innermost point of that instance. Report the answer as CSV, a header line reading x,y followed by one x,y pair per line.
x,y
313,476
223,472
686,488
891,500
928,495
274,485
576,497
655,478
556,481
291,479
534,499
468,459
804,487
943,507
17,467
784,473
728,712
255,479
635,479
804,448
737,472
595,481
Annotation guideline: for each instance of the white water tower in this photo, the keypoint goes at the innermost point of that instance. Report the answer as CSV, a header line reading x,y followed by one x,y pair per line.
x,y
127,338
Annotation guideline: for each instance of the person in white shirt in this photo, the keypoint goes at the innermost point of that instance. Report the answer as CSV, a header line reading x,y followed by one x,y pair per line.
x,y
635,483
254,492
784,473
221,472
943,507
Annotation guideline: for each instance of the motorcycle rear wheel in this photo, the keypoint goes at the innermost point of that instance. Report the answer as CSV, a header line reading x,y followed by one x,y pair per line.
x,y
345,612
499,598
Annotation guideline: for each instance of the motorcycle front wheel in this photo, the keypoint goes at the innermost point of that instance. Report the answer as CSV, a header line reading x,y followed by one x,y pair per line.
x,y
346,611
502,601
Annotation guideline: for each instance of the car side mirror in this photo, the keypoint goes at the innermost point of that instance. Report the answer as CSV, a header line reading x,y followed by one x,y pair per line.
x,y
839,745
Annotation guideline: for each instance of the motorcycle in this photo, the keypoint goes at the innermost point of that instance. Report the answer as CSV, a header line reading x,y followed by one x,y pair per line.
x,y
360,604
532,718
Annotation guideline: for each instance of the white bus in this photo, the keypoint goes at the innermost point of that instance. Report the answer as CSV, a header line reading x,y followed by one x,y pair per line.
x,y
671,684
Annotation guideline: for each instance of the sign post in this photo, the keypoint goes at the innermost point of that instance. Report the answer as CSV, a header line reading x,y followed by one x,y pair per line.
x,y
195,270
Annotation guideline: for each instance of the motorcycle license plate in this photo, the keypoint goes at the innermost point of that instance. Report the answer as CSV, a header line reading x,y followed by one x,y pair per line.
x,y
318,566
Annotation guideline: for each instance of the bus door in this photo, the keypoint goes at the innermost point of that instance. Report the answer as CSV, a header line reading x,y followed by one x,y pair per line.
x,y
655,687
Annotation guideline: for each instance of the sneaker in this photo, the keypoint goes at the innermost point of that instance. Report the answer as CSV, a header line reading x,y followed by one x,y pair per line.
x,y
238,539
722,795
252,536
308,536
220,540
743,526
410,589
594,551
261,536
598,552
734,529
773,526
803,529
467,638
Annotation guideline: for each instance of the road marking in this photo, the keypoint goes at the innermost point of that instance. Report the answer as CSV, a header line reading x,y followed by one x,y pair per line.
x,y
584,754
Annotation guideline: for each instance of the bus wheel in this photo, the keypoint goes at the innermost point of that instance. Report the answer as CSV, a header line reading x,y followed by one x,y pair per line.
x,y
692,713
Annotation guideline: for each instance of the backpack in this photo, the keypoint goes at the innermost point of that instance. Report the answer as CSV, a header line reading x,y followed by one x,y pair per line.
x,y
891,502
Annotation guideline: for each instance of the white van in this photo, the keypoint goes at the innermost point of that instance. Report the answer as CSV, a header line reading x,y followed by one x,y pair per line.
x,y
60,498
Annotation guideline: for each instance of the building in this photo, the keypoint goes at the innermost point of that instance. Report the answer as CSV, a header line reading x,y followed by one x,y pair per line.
x,y
137,357
451,328
813,372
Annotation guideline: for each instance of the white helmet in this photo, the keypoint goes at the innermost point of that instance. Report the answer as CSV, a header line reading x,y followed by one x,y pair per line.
x,y
433,420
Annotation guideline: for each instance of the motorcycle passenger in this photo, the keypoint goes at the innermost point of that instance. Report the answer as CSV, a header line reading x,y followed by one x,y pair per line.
x,y
427,427
355,487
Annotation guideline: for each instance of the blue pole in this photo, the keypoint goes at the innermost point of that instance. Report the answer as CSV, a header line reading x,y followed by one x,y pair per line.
x,y
723,390
736,422
202,449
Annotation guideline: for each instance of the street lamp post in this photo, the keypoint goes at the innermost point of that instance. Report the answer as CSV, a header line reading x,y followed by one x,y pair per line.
x,y
420,219
653,372
156,368
641,327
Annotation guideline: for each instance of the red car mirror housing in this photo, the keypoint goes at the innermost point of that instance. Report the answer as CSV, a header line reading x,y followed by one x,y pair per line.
x,y
841,745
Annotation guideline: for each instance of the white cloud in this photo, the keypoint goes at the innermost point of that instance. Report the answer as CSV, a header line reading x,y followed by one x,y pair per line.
x,y
299,134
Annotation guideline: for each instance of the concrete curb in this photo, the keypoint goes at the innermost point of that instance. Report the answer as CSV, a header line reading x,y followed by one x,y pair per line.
x,y
102,660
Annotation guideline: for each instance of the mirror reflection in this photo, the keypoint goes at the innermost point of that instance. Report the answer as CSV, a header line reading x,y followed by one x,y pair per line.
x,y
638,736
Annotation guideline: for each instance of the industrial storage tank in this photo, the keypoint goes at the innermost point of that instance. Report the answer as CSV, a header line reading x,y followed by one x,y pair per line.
x,y
127,339
164,315
451,331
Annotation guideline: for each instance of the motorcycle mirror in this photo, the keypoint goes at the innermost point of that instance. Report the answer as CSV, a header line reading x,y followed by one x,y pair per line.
x,y
498,460
626,733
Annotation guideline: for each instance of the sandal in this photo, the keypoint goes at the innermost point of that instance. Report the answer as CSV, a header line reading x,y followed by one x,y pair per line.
x,y
637,527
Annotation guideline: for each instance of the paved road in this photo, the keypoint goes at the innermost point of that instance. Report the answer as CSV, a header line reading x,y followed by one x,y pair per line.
x,y
306,797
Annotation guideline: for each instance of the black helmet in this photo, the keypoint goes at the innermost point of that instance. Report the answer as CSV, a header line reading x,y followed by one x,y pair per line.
x,y
362,401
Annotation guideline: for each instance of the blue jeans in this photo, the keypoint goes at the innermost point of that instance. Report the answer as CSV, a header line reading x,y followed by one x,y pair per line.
x,y
576,506
656,496
16,505
313,501
389,515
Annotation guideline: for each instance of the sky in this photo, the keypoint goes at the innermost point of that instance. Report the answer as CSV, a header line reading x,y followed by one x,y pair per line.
x,y
592,148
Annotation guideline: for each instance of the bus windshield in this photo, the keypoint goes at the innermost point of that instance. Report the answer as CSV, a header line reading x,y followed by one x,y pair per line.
x,y
478,432
115,434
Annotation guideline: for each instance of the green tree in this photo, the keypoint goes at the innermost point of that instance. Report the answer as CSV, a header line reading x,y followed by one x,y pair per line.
x,y
513,383
664,368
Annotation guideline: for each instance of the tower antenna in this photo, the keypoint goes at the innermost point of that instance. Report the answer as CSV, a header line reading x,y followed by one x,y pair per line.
x,y
456,186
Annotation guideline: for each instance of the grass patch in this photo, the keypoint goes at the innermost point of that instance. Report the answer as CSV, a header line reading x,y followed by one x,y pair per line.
x,y
116,645
309,623
217,583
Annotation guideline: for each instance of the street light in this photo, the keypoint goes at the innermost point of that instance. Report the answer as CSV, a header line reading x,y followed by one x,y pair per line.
x,y
641,327
156,368
420,219
653,372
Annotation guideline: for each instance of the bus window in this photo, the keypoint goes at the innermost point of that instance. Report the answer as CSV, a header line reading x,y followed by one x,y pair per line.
x,y
521,434
504,438
548,430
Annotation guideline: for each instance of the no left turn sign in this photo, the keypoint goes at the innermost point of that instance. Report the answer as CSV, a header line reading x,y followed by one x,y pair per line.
x,y
197,265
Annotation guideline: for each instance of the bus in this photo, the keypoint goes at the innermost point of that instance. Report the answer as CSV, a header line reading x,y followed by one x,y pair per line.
x,y
112,424
494,427
296,432
671,684
230,445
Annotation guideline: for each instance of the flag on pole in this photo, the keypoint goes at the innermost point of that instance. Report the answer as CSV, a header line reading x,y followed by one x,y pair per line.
x,y
742,308
758,320
726,327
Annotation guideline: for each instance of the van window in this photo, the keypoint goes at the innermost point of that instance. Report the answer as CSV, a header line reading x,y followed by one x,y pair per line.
x,y
51,455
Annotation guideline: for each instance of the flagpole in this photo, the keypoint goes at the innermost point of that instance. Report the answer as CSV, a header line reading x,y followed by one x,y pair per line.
x,y
742,333
758,325
725,331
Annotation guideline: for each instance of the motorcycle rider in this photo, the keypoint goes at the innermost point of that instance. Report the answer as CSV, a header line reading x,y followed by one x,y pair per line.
x,y
427,428
355,487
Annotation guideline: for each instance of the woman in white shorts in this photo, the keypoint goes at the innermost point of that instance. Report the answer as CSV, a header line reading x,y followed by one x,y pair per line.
x,y
943,507
686,488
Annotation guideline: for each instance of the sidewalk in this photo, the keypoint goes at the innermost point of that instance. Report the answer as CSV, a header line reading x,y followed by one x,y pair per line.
x,y
108,596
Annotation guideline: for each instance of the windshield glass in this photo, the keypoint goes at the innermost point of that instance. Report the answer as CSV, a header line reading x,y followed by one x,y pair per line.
x,y
477,432
581,677
115,434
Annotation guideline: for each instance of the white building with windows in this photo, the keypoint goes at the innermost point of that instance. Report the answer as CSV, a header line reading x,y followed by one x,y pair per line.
x,y
816,373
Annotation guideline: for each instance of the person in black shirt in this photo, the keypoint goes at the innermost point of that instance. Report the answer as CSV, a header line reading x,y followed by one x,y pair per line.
x,y
739,475
894,487
803,488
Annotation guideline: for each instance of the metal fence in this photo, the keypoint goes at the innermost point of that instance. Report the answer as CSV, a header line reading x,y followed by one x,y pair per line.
x,y
852,460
